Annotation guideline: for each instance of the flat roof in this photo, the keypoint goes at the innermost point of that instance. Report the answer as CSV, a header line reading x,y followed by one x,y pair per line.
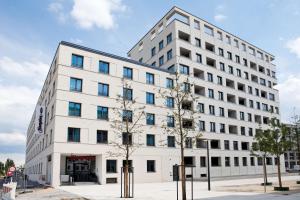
x,y
175,7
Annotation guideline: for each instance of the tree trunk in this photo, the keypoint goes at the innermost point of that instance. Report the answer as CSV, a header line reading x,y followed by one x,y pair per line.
x,y
126,185
183,181
265,173
279,171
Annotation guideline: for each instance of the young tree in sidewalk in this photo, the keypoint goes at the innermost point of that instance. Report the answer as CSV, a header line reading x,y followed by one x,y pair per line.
x,y
127,126
180,121
261,149
279,143
8,163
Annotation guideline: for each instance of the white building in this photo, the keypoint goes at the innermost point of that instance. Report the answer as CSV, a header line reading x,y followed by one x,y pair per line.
x,y
292,156
233,79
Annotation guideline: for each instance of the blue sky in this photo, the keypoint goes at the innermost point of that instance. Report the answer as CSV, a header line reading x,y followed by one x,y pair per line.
x,y
31,30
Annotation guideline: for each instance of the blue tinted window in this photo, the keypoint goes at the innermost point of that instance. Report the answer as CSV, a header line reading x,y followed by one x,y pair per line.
x,y
102,112
169,83
127,73
149,78
77,61
170,102
127,94
150,140
169,38
161,45
101,136
150,98
170,121
104,67
103,89
127,115
76,84
73,134
150,119
184,69
74,109
169,54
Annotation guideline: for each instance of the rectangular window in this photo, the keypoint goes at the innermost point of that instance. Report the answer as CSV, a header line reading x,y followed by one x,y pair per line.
x,y
208,30
76,84
228,39
201,125
202,161
161,60
126,138
127,115
188,142
169,54
227,161
150,165
111,166
235,145
153,51
221,112
150,98
236,161
219,35
127,94
170,102
221,52
150,78
103,89
226,145
198,58
211,109
222,66
73,134
169,38
150,140
245,161
170,121
222,128
161,45
184,69
210,77
211,93
171,141
103,67
150,119
196,24
169,83
74,109
77,61
102,112
127,73
212,127
201,107
229,55
221,96
101,136
250,132
197,42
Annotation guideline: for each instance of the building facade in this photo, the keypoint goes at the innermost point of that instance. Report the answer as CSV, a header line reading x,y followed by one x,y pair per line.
x,y
233,79
292,157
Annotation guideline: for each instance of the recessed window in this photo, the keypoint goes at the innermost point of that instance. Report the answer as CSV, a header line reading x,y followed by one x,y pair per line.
x,y
150,98
73,134
161,45
169,54
201,125
169,83
219,35
77,61
101,136
126,138
150,165
102,112
103,89
171,141
150,119
127,116
111,166
103,67
197,42
170,121
216,162
170,102
127,73
196,24
153,51
184,69
161,60
76,84
127,94
208,30
74,109
150,140
150,78
169,38
188,142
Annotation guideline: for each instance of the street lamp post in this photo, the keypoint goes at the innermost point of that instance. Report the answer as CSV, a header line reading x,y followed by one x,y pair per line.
x,y
208,165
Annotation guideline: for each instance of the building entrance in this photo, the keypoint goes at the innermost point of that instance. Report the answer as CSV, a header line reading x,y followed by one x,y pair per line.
x,y
81,168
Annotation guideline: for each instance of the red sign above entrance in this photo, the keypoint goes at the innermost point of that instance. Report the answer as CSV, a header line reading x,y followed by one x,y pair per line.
x,y
74,157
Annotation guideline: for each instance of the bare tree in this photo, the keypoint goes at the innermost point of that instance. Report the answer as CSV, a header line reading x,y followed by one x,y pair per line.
x,y
180,121
127,128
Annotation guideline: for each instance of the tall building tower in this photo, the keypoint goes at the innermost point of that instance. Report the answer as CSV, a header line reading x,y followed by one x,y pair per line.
x,y
70,132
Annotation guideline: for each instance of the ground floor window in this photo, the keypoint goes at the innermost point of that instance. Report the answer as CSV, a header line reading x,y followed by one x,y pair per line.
x,y
111,166
150,165
216,161
101,136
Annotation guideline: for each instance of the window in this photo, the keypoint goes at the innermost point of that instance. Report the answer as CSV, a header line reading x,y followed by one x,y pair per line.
x,y
169,54
74,109
197,42
211,109
243,47
230,69
102,112
202,161
169,83
221,112
216,161
212,127
153,64
249,117
101,136
228,39
171,141
169,38
161,60
77,61
250,132
210,77
161,45
170,102
111,166
153,51
208,30
103,89
245,62
211,93
196,24
246,75
242,115
221,96
150,78
127,73
222,128
201,125
219,35
73,134
184,69
235,145
227,161
127,94
150,99
245,161
126,138
236,43
170,121
236,161
188,142
76,84
238,73
141,60
150,165
198,58
222,66
243,131
150,119
103,67
127,115
229,55
251,103
251,51
252,161
150,140
226,145
201,107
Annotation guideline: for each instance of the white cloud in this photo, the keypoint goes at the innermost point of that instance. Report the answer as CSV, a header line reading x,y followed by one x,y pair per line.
x,y
58,9
294,46
18,158
7,139
76,41
289,95
219,18
98,13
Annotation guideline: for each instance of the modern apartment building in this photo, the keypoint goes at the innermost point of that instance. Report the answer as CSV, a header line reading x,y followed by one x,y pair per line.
x,y
292,157
233,79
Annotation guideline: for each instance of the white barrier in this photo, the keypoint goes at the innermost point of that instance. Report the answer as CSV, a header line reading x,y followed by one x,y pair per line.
x,y
9,191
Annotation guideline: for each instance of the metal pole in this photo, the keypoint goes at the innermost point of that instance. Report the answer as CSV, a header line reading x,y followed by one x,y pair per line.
x,y
132,182
121,182
208,166
177,179
192,182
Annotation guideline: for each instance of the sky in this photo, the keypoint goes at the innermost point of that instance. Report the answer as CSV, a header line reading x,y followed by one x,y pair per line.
x,y
31,30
